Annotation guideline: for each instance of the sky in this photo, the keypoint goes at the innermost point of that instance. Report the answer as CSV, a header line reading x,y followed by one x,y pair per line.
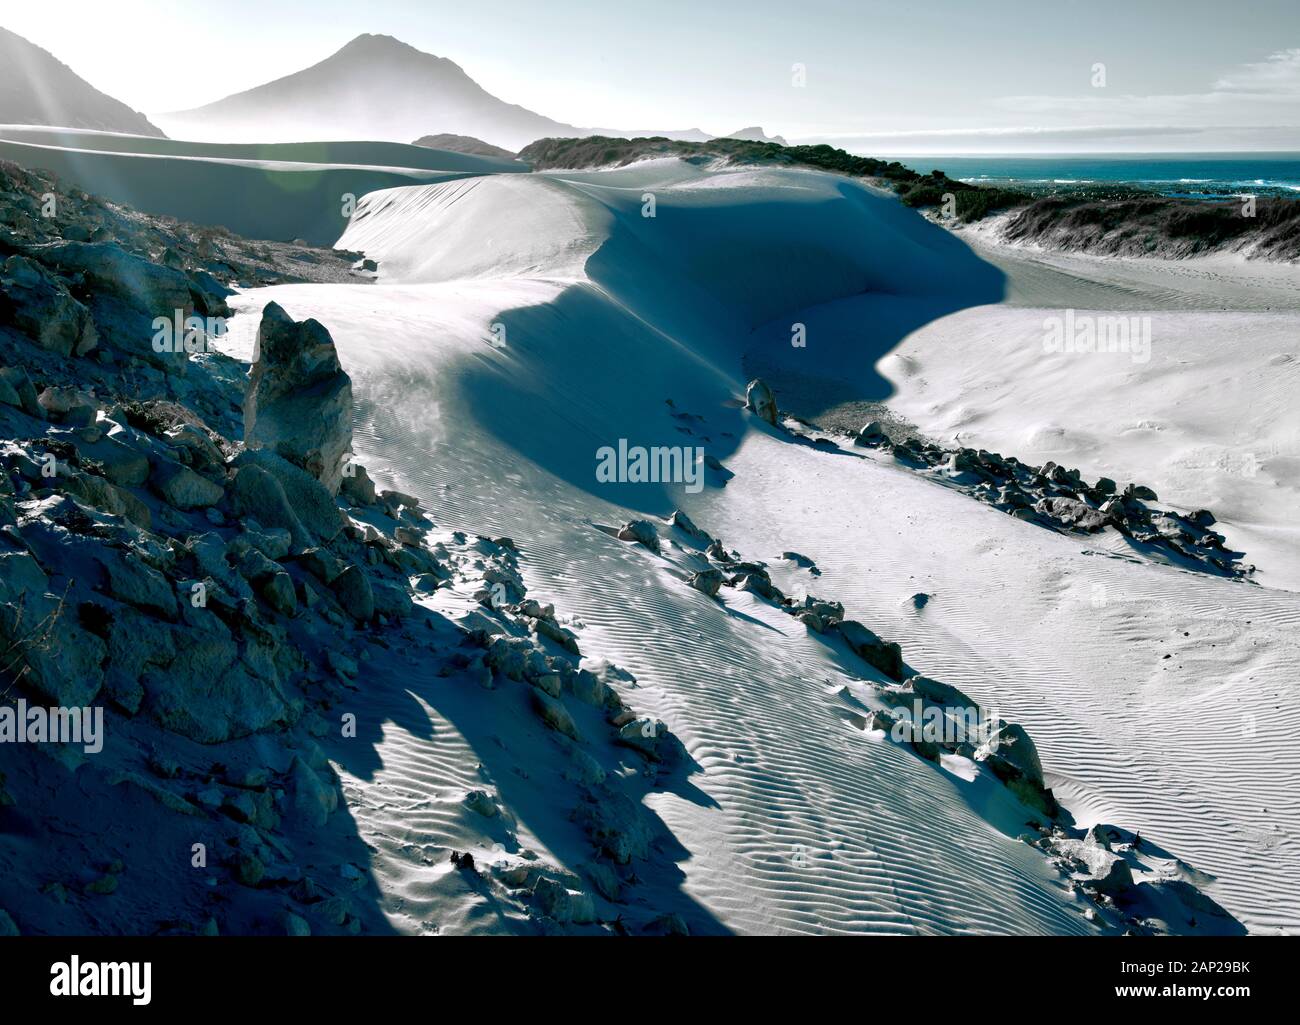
x,y
943,76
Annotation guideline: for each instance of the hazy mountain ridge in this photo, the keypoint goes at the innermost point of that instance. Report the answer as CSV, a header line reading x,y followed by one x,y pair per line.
x,y
38,88
378,87
375,87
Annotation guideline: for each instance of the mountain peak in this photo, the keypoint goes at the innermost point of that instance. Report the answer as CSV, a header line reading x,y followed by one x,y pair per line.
x,y
376,87
372,43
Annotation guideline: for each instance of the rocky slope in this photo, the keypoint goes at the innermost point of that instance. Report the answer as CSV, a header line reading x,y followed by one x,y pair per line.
x,y
196,555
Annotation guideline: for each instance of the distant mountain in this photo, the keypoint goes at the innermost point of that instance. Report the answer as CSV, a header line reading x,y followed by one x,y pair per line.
x,y
463,144
38,89
755,134
375,88
380,89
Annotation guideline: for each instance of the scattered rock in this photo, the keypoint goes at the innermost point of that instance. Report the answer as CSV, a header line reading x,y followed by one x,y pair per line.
x,y
760,401
709,581
480,801
883,655
642,532
39,305
872,435
182,488
353,591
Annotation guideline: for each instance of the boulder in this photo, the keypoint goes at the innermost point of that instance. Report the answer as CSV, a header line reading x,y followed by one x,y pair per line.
x,y
759,584
872,435
257,493
310,799
554,714
1011,755
277,493
39,305
69,406
357,487
481,801
1072,513
391,600
760,401
140,284
123,464
353,591
21,385
99,493
1140,492
182,488
1010,752
278,591
827,612
212,692
195,447
883,655
708,581
552,899
1108,873
552,630
590,689
937,693
684,523
64,661
130,580
299,400
135,644
641,532
211,554
650,737
321,563
8,396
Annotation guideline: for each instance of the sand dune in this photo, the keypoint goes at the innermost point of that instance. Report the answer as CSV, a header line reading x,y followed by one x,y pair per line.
x,y
278,192
795,820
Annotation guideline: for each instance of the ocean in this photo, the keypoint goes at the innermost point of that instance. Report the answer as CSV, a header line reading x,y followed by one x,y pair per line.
x,y
1197,175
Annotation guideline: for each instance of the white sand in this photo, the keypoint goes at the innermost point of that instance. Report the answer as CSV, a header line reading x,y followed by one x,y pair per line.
x,y
798,822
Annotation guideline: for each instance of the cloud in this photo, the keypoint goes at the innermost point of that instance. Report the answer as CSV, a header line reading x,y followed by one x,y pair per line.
x,y
1278,76
1266,91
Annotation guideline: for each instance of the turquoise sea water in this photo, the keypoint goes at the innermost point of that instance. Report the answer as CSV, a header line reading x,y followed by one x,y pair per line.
x,y
1177,174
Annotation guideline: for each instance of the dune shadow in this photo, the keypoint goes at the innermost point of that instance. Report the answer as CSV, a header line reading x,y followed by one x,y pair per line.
x,y
681,309
531,769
